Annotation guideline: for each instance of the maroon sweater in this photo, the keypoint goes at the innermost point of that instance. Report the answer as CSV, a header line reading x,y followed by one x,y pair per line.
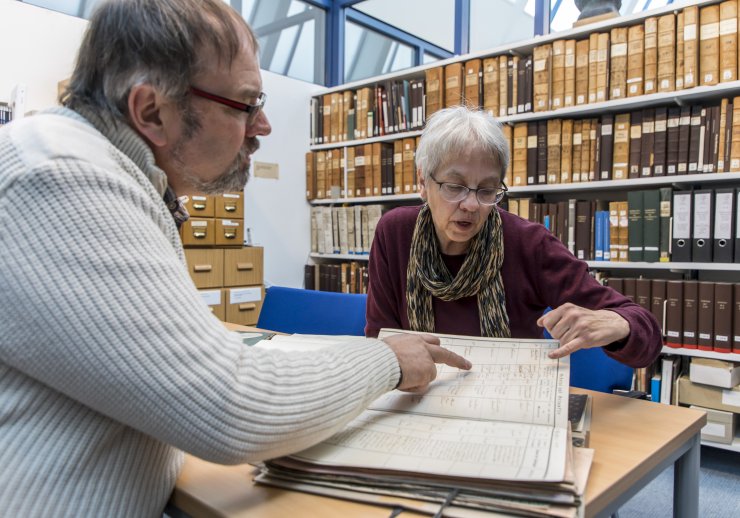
x,y
538,271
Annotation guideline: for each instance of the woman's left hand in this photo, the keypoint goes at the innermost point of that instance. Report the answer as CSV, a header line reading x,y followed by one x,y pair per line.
x,y
580,328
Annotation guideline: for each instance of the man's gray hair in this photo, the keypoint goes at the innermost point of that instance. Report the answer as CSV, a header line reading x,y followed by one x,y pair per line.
x,y
451,131
158,42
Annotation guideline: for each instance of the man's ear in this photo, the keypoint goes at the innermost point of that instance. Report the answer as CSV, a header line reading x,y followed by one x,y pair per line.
x,y
422,184
145,107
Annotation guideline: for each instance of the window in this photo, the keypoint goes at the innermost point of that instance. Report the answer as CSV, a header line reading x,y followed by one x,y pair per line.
x,y
497,23
78,8
368,53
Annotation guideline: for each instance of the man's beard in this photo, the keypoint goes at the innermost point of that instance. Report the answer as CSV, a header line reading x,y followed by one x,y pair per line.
x,y
236,175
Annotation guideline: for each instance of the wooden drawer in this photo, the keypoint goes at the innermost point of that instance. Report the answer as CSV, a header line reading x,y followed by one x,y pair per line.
x,y
243,267
198,232
230,205
201,206
206,266
243,304
229,232
216,301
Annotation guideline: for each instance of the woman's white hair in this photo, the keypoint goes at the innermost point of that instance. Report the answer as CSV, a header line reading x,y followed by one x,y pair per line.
x,y
451,131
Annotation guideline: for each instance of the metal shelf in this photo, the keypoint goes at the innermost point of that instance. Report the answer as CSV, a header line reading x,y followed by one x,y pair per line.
x,y
341,257
388,198
616,265
682,351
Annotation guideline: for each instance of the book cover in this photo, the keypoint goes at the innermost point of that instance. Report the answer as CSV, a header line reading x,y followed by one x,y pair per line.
x,y
650,225
724,225
635,205
674,314
690,314
705,321
723,309
657,304
682,217
701,235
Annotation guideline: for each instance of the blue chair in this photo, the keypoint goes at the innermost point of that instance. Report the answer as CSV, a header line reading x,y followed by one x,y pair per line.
x,y
592,369
291,310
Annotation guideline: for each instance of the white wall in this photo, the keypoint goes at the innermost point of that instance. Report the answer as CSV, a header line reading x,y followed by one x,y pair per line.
x,y
39,48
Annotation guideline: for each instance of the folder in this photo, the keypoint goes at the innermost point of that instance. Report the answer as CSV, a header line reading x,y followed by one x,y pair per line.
x,y
657,305
674,314
635,226
736,319
724,225
736,234
705,325
651,225
682,216
723,308
701,235
690,314
642,293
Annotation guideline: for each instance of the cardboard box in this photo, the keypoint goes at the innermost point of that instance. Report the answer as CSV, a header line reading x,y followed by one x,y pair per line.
x,y
708,396
718,373
720,425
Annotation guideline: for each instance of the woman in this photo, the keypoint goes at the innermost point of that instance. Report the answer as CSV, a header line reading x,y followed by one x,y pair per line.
x,y
459,264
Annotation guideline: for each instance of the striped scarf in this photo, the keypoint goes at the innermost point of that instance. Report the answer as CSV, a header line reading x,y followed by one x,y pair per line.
x,y
480,275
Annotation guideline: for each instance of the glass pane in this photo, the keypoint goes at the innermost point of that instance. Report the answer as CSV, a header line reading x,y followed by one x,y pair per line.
x,y
368,53
430,58
430,20
79,8
497,23
563,13
291,37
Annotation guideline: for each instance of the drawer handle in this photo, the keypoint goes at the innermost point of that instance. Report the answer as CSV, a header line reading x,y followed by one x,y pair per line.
x,y
247,307
199,234
199,206
230,208
245,266
230,234
203,267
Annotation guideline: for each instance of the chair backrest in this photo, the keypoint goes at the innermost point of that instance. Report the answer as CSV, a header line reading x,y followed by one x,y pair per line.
x,y
592,369
291,310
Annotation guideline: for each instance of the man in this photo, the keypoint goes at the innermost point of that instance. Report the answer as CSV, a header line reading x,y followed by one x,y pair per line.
x,y
110,364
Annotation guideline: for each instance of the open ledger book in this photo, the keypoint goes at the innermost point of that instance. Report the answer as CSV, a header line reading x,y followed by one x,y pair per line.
x,y
493,438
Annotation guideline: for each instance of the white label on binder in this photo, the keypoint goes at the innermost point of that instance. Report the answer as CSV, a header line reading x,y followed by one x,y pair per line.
x,y
682,216
723,216
702,205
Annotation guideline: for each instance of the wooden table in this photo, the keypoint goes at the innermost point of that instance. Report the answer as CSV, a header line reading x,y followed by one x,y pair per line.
x,y
634,441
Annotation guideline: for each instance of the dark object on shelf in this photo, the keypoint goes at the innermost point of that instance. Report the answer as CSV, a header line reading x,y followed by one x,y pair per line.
x,y
590,8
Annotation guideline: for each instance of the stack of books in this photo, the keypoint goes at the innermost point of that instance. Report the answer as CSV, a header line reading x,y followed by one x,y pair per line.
x,y
495,438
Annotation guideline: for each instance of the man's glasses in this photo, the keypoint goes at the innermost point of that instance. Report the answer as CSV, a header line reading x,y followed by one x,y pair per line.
x,y
252,110
454,192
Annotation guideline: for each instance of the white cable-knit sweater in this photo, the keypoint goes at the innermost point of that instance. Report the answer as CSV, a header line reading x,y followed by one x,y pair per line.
x,y
110,364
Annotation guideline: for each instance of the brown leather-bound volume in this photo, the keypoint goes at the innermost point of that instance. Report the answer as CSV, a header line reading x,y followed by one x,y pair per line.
x,y
594,153
635,144
521,158
593,60
667,53
606,146
679,50
635,59
705,325
542,57
473,76
724,104
586,159
650,77
642,293
351,174
602,68
691,46
736,319
569,97
674,314
453,84
616,284
672,136
620,162
387,170
659,141
529,81
577,150
729,114
618,63
566,151
630,289
735,139
532,143
695,143
541,152
359,170
377,170
684,132
503,86
583,230
709,45
623,208
310,176
398,167
582,71
369,170
434,92
647,151
657,301
690,314
557,75
409,168
614,231
554,136
320,174
512,86
723,308
490,86
728,41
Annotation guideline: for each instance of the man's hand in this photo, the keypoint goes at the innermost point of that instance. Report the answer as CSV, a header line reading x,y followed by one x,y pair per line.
x,y
417,355
581,328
